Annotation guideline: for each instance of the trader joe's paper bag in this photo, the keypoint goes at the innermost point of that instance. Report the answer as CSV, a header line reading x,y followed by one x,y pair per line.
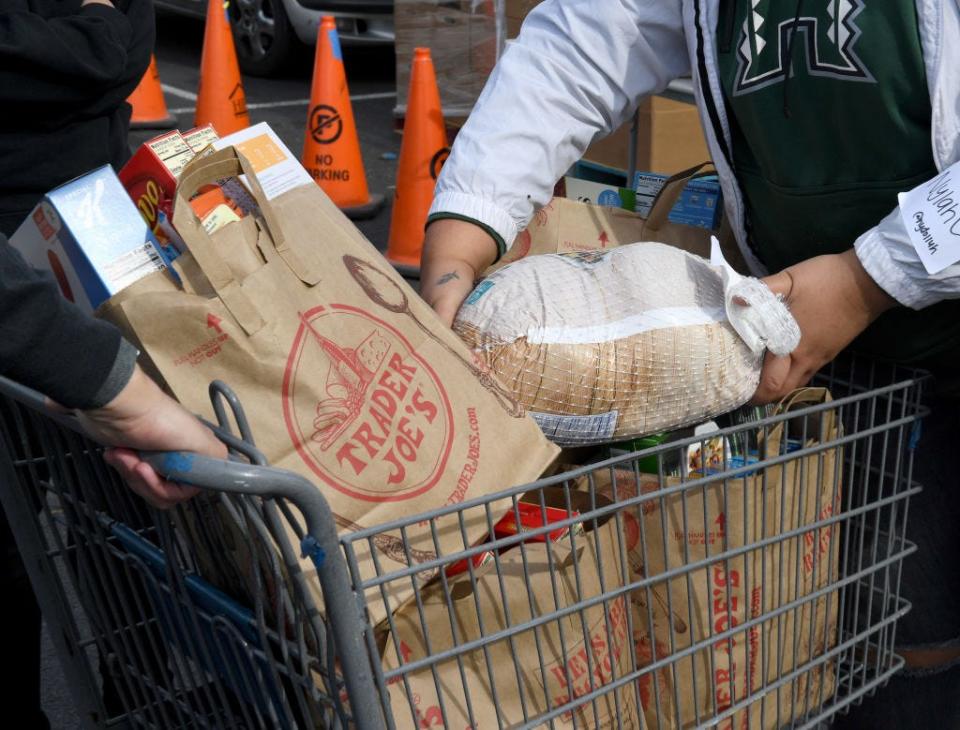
x,y
690,526
568,226
544,669
347,377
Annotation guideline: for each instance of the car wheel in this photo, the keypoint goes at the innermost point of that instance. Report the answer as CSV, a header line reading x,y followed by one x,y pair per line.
x,y
265,40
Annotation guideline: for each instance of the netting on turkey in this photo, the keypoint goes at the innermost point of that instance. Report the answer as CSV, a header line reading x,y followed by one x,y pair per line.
x,y
607,345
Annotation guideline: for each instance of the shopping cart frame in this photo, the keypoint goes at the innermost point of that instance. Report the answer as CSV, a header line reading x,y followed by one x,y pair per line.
x,y
253,479
335,556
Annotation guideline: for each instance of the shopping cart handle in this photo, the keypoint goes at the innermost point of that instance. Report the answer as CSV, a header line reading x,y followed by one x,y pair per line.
x,y
240,477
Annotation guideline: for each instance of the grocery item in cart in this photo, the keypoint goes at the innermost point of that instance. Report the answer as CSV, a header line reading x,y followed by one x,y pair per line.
x,y
536,670
348,377
89,235
689,526
150,177
527,514
215,208
607,345
199,138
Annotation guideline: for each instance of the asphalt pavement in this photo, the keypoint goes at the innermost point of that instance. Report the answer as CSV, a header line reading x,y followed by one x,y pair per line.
x,y
283,103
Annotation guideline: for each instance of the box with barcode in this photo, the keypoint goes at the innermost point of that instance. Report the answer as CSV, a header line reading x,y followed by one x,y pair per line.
x,y
91,237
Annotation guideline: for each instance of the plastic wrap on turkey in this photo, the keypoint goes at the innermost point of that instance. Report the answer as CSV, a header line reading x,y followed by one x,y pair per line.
x,y
607,345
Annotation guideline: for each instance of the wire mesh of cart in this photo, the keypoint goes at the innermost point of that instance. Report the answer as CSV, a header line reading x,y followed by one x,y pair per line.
x,y
747,577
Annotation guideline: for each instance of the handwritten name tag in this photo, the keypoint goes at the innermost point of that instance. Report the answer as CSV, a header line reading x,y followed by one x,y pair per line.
x,y
931,214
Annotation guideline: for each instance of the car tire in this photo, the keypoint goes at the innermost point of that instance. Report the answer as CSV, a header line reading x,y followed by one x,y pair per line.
x,y
265,40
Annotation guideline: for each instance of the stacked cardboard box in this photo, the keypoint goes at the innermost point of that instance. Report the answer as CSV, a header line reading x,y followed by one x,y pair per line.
x,y
669,139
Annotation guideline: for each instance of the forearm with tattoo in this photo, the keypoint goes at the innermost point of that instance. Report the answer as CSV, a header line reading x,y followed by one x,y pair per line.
x,y
447,278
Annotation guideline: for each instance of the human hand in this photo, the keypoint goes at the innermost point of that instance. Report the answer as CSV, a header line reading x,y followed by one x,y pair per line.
x,y
143,417
833,300
454,253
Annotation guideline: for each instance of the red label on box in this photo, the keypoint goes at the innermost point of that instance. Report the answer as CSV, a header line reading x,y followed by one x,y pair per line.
x,y
462,566
43,225
150,176
533,516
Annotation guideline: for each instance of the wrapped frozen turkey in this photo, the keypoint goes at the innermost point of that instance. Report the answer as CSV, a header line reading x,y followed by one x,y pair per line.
x,y
607,345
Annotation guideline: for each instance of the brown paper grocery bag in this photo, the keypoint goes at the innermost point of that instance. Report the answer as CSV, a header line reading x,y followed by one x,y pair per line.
x,y
346,375
688,527
568,226
534,670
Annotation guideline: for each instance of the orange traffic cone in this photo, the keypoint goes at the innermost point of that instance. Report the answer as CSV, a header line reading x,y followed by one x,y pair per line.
x,y
220,98
149,106
422,153
331,148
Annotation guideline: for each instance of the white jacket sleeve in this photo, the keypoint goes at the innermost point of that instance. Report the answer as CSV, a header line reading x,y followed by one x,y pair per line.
x,y
576,71
888,255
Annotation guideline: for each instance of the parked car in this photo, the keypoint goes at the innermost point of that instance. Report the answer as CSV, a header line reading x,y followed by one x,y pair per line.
x,y
269,33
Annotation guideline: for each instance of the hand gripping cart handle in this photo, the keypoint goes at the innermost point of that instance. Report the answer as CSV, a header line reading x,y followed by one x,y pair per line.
x,y
43,443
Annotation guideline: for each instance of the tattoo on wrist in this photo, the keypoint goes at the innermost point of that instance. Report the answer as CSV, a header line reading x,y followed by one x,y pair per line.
x,y
446,278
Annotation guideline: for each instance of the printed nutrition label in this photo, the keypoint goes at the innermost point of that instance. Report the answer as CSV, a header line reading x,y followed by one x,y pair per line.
x,y
577,429
131,267
173,151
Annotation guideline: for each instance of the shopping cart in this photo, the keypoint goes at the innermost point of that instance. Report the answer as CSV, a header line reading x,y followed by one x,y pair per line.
x,y
202,616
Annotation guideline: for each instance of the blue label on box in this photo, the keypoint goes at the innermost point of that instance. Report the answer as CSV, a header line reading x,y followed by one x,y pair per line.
x,y
699,204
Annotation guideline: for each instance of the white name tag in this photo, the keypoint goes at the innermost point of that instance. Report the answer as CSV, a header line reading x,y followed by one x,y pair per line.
x,y
931,215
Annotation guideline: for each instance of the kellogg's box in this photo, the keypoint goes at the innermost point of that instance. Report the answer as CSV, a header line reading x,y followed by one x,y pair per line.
x,y
89,235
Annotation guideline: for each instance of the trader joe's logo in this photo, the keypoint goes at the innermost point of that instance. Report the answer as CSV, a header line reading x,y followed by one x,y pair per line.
x,y
365,412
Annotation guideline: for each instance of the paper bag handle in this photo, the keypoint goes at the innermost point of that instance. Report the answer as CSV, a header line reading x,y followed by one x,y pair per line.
x,y
670,192
229,162
807,396
221,164
213,266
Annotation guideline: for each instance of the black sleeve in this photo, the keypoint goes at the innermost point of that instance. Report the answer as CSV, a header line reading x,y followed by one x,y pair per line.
x,y
50,345
96,56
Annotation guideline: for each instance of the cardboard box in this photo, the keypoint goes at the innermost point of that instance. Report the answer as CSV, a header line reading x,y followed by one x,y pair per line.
x,y
161,158
669,139
200,137
92,238
595,193
566,226
699,204
277,168
150,177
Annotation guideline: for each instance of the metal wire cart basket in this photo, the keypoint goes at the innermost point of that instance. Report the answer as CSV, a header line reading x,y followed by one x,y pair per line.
x,y
744,578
